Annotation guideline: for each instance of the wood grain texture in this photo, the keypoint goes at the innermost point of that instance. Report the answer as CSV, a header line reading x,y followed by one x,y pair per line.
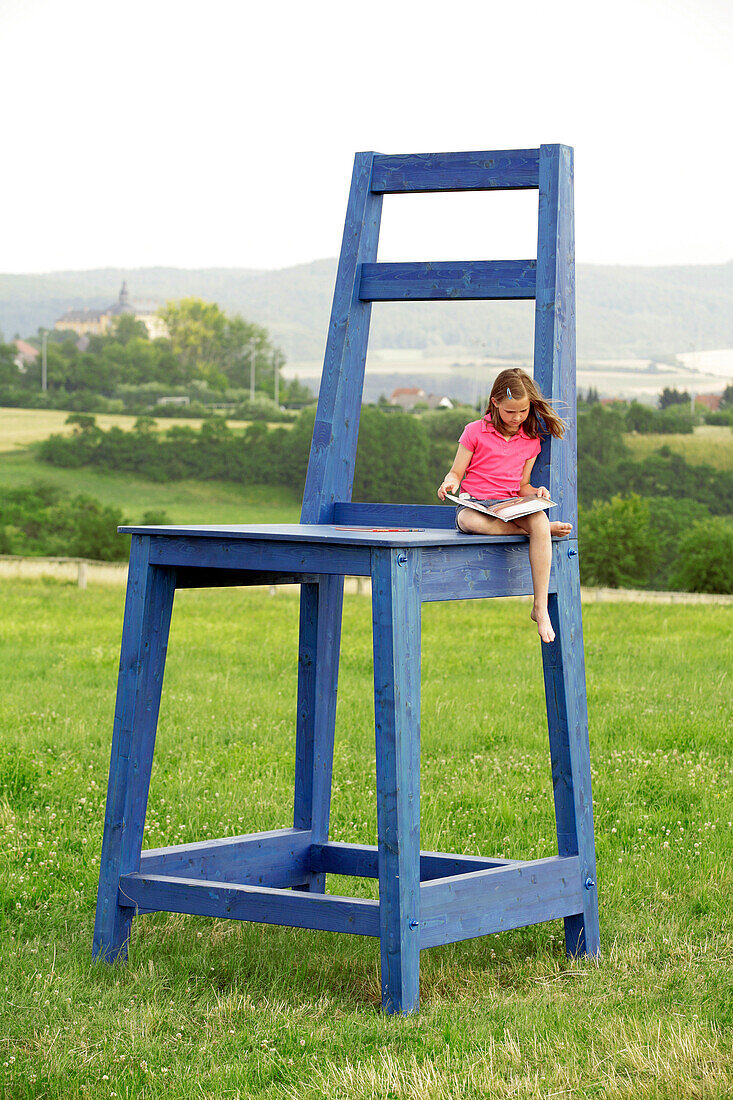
x,y
332,458
496,900
278,858
361,860
261,555
477,572
567,719
498,170
148,606
554,346
433,516
318,663
210,899
476,280
396,643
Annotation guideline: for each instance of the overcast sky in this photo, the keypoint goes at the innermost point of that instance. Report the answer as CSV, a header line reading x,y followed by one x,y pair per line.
x,y
222,134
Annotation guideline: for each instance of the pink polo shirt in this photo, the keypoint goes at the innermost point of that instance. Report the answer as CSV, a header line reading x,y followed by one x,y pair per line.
x,y
496,464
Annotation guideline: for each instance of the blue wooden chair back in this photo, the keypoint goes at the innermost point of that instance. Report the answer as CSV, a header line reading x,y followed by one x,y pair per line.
x,y
360,280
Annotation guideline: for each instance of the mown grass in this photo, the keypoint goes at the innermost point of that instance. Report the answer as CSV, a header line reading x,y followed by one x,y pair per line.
x,y
223,1009
709,444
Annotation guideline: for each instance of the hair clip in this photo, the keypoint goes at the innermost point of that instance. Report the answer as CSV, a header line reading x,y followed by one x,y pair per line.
x,y
509,393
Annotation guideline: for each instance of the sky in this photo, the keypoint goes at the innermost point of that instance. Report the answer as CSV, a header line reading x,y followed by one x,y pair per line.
x,y
222,134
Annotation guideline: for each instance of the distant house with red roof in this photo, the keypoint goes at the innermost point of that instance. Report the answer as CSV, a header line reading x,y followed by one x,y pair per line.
x,y
709,400
26,355
407,397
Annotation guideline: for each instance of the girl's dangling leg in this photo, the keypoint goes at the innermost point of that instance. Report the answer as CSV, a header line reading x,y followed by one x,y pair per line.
x,y
540,530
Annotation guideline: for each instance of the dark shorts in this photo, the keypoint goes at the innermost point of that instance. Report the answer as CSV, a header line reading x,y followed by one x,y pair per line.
x,y
487,503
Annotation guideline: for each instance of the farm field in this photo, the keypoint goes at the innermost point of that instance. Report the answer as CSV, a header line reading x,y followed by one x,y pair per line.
x,y
709,444
19,427
223,1009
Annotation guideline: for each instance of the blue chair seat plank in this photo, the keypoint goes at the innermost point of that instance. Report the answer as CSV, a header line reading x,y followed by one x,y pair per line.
x,y
413,555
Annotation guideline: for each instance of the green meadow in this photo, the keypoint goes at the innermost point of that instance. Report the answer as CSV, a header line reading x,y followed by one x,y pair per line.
x,y
220,1009
191,501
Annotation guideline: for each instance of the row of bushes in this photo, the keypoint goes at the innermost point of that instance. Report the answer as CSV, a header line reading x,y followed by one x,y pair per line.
x,y
400,457
44,520
397,460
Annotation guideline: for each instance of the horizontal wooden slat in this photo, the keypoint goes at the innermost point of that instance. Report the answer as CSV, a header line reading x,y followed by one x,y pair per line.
x,y
360,860
472,280
429,516
478,572
498,170
259,555
326,912
278,858
477,904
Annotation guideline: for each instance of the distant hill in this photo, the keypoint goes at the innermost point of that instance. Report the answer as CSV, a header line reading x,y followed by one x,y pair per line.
x,y
652,312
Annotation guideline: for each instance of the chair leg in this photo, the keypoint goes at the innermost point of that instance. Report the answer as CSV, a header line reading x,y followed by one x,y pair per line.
x,y
318,660
567,716
396,639
148,607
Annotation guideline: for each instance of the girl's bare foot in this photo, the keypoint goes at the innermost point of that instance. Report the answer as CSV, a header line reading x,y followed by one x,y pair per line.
x,y
560,530
541,616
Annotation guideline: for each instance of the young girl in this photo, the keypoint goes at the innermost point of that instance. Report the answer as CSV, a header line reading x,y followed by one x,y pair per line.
x,y
494,461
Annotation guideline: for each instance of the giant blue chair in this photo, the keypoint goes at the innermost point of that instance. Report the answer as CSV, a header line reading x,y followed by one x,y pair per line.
x,y
279,877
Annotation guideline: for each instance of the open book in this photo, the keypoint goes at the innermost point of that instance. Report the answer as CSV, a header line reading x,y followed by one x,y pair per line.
x,y
508,509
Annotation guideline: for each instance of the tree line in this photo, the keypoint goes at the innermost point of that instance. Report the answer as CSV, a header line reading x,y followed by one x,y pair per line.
x,y
208,357
642,523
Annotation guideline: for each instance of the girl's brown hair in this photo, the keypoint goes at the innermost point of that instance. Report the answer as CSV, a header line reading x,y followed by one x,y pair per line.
x,y
516,384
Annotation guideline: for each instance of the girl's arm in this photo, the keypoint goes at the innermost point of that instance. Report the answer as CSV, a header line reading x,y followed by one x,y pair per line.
x,y
452,480
527,490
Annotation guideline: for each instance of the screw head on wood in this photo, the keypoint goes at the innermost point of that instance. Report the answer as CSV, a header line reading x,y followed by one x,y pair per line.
x,y
572,552
402,559
589,883
414,923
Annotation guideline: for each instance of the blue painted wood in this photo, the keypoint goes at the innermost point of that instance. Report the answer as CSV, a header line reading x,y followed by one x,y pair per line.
x,y
554,347
259,554
148,606
498,170
330,474
318,662
326,912
490,280
482,902
396,643
478,572
567,719
395,515
303,536
460,896
361,861
278,858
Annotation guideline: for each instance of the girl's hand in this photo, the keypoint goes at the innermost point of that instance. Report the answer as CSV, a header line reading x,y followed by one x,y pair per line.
x,y
542,492
450,484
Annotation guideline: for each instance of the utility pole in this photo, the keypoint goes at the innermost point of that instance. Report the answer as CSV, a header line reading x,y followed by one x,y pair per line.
x,y
44,362
276,375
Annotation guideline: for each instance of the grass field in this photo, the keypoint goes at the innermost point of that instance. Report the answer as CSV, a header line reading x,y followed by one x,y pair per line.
x,y
182,501
709,444
222,1009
